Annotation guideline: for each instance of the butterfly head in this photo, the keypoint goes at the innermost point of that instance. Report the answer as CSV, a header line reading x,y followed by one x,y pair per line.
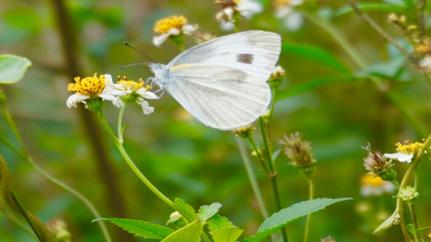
x,y
160,72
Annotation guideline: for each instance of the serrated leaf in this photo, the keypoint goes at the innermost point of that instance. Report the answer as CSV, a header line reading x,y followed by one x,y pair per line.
x,y
190,233
316,54
283,217
12,68
223,230
207,211
141,228
185,209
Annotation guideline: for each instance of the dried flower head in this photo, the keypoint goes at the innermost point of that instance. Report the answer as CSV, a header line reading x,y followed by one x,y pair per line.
x,y
173,26
298,150
378,164
374,185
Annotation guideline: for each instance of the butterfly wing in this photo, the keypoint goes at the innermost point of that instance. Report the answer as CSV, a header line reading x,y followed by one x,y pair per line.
x,y
220,97
254,52
222,82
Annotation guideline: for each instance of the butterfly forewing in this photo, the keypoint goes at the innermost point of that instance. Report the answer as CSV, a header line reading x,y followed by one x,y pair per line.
x,y
223,82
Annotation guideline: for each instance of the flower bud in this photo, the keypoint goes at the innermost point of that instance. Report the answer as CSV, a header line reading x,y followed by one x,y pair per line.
x,y
408,193
328,239
59,229
244,132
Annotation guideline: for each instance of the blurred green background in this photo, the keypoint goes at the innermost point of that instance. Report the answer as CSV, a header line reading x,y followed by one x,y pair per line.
x,y
327,96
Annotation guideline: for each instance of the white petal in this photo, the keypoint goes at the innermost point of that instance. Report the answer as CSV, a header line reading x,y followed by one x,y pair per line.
x,y
146,108
74,99
401,157
116,100
248,8
227,26
388,187
189,28
228,12
174,31
108,80
294,21
283,12
146,94
159,39
296,2
425,63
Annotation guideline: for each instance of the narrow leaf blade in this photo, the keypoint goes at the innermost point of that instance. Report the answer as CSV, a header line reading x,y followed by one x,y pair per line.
x,y
283,217
207,211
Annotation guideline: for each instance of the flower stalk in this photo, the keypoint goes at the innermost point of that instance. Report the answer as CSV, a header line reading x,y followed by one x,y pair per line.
x,y
310,197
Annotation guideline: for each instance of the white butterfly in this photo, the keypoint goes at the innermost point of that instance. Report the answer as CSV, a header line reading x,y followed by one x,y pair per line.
x,y
222,82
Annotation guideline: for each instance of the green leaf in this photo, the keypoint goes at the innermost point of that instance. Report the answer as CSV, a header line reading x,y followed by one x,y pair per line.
x,y
283,217
207,211
140,228
12,68
190,233
185,209
316,54
376,7
311,85
222,230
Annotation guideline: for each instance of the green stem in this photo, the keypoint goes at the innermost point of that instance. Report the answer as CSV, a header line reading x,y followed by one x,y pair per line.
x,y
252,178
272,170
131,164
258,153
404,182
26,157
414,220
120,125
310,196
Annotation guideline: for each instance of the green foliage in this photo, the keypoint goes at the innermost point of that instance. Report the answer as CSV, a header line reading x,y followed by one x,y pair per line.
x,y
376,7
316,54
190,233
281,218
207,211
185,209
12,68
222,230
141,228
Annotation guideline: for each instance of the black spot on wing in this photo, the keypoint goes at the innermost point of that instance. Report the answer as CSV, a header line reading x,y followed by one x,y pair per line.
x,y
245,58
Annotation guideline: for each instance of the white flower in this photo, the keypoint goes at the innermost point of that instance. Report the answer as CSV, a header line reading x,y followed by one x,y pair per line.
x,y
405,151
249,8
230,9
91,87
133,91
373,186
171,26
285,10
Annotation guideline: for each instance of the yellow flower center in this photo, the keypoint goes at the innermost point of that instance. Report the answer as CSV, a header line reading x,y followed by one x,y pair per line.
x,y
132,85
371,180
164,25
409,148
89,86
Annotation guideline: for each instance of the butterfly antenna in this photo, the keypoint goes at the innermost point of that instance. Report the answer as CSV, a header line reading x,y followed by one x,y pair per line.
x,y
134,64
140,52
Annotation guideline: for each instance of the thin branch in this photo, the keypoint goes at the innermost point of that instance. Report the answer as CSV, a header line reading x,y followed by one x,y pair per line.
x,y
377,28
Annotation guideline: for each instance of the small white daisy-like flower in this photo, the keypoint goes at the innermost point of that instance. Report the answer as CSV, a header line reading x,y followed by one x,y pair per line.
x,y
91,87
405,152
232,9
285,10
132,91
374,186
172,26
